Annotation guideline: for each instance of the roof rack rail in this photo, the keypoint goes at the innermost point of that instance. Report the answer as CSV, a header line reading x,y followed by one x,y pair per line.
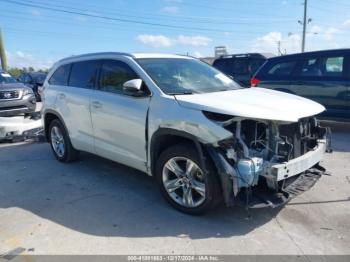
x,y
244,55
98,53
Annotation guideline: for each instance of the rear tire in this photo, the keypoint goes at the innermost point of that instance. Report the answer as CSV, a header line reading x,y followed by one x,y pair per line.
x,y
60,143
185,185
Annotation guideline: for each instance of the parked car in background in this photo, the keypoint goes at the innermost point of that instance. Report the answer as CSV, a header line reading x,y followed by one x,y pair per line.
x,y
322,76
15,97
34,80
241,66
203,137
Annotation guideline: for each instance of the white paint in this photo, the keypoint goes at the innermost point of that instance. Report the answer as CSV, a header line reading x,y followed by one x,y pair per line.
x,y
17,124
257,103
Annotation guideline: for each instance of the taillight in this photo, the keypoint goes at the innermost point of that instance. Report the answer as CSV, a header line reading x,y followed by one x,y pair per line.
x,y
254,82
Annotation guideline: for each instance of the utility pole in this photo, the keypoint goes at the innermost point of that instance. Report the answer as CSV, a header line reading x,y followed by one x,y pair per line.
x,y
2,53
304,24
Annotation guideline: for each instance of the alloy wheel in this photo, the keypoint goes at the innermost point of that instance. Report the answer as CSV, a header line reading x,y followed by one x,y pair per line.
x,y
184,182
57,141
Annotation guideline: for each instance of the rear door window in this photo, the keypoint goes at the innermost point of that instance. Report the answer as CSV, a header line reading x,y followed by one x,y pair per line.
x,y
60,76
323,67
83,74
282,69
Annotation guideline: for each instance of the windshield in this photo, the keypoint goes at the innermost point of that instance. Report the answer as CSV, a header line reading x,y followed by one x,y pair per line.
x,y
6,78
186,76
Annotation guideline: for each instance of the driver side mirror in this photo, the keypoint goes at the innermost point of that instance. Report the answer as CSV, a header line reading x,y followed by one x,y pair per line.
x,y
133,87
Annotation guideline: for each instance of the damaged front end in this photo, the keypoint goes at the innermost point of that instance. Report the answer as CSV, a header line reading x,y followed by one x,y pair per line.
x,y
266,163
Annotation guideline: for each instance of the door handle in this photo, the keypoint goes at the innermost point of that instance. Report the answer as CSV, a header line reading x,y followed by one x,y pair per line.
x,y
61,96
96,104
299,83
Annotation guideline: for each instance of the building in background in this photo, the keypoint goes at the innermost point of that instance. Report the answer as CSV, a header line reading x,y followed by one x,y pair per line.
x,y
220,51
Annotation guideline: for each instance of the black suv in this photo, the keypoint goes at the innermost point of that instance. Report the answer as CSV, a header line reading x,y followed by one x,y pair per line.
x,y
323,76
15,98
241,66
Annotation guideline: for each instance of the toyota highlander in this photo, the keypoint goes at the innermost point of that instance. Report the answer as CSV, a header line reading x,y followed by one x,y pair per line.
x,y
203,137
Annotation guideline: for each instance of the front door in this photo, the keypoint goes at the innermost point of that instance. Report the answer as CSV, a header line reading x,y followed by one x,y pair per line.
x,y
119,120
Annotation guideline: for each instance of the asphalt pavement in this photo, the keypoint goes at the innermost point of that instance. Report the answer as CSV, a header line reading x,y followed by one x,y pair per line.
x,y
95,206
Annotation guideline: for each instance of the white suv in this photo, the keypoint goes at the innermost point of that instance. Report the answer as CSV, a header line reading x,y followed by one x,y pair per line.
x,y
203,137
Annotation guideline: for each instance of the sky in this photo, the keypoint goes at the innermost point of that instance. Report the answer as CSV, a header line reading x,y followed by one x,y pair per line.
x,y
39,32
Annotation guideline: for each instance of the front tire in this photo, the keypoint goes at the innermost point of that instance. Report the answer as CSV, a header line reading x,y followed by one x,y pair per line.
x,y
183,182
60,143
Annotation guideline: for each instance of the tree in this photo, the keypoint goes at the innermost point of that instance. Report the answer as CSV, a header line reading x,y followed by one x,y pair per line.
x,y
15,72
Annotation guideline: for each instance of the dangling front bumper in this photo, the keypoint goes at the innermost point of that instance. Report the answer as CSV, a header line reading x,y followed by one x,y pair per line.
x,y
262,197
291,178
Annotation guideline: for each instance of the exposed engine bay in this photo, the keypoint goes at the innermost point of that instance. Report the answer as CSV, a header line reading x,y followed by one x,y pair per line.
x,y
269,155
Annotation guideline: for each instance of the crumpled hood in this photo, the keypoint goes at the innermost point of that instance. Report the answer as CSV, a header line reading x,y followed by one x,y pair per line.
x,y
257,103
12,86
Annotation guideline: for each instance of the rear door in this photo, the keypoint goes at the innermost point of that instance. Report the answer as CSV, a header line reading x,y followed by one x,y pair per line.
x,y
74,103
322,78
119,120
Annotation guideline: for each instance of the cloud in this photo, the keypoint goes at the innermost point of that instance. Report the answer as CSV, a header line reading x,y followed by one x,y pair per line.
x,y
329,33
198,54
269,43
155,40
193,40
164,41
170,9
315,29
21,59
346,23
317,38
